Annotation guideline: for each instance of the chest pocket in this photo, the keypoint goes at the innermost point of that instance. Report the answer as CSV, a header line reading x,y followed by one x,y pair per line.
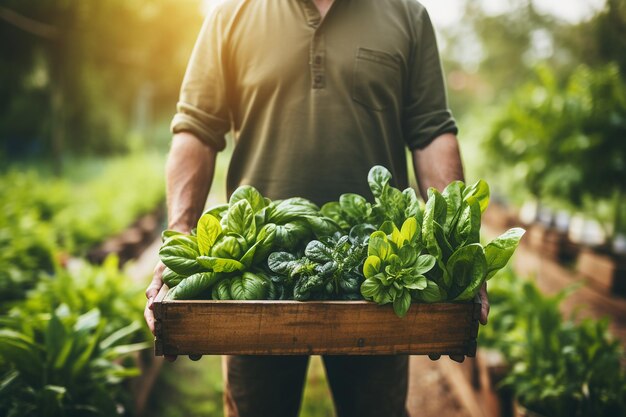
x,y
376,80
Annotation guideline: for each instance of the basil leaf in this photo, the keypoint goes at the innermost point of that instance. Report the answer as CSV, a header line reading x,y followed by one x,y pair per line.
x,y
221,291
249,194
171,278
209,230
264,243
218,211
180,258
231,246
240,220
193,286
249,286
220,264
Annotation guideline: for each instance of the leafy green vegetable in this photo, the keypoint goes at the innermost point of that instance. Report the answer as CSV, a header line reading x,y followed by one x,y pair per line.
x,y
394,270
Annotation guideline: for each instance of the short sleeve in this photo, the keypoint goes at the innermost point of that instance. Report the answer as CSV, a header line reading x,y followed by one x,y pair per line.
x,y
203,108
426,114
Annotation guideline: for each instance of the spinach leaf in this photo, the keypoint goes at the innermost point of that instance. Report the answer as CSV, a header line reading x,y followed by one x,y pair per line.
x,y
499,251
171,278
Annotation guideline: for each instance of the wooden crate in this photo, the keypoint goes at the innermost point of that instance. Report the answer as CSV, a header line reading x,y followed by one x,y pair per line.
x,y
208,327
605,273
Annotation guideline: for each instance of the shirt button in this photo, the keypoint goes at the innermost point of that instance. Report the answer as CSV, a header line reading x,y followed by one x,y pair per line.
x,y
318,60
318,79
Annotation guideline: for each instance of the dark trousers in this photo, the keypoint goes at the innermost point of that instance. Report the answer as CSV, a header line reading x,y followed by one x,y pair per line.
x,y
272,386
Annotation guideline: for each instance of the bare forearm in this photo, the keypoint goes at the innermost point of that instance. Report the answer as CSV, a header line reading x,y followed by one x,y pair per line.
x,y
189,171
438,164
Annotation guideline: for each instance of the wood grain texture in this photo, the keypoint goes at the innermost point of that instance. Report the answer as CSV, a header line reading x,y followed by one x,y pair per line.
x,y
312,328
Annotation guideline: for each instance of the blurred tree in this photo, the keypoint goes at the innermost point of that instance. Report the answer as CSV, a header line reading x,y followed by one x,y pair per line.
x,y
76,68
566,141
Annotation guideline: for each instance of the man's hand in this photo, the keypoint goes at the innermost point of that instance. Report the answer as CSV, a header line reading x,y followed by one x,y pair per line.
x,y
189,172
151,293
484,313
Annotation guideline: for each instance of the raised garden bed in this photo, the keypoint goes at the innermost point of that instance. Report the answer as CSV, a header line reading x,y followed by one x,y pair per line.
x,y
605,272
193,327
551,243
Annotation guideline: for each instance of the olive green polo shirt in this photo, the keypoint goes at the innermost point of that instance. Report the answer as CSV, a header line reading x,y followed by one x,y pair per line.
x,y
314,103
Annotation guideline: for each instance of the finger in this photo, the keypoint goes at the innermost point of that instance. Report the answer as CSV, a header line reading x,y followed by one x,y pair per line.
x,y
149,316
457,358
434,356
170,358
195,357
484,307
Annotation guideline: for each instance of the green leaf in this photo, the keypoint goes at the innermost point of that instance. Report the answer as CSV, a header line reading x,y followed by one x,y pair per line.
x,y
282,263
240,220
290,235
251,195
402,303
453,194
424,264
378,179
370,288
410,231
231,246
209,229
179,254
220,264
194,285
479,191
249,286
221,290
408,255
378,245
322,226
468,268
169,233
265,241
468,227
499,251
318,251
436,207
432,293
171,278
414,282
218,211
371,266
355,208
333,211
120,334
286,211
412,204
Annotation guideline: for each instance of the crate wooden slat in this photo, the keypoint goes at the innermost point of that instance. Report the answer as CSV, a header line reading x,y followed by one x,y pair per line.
x,y
187,327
